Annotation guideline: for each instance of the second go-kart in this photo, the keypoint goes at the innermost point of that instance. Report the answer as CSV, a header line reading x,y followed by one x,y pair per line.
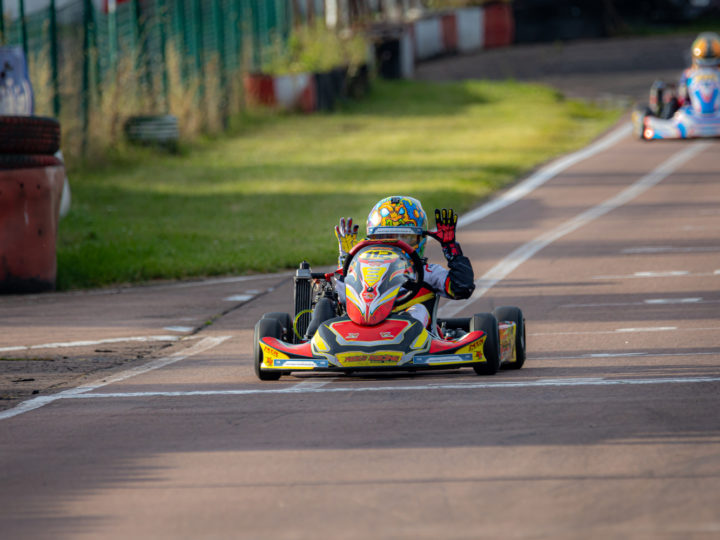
x,y
372,332
699,117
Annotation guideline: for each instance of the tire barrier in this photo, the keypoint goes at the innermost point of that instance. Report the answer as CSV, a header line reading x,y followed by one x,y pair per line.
x,y
29,135
161,130
307,92
449,32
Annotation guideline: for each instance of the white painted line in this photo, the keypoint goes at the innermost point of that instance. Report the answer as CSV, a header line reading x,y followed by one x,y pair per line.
x,y
669,273
311,384
543,175
239,298
648,302
616,355
179,328
406,388
201,346
528,250
647,329
89,343
673,300
621,330
643,275
626,355
667,249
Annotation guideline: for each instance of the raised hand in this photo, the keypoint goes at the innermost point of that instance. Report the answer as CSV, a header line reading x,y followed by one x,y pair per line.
x,y
445,223
347,236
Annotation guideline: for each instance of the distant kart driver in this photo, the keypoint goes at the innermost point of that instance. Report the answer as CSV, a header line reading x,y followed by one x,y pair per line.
x,y
705,52
403,218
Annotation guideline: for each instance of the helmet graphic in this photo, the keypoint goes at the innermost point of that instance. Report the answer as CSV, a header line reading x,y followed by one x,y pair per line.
x,y
399,217
706,50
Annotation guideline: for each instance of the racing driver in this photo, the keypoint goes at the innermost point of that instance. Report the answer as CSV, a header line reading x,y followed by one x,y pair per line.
x,y
705,52
403,218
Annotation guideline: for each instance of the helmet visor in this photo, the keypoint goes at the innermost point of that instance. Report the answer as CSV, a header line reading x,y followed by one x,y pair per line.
x,y
412,240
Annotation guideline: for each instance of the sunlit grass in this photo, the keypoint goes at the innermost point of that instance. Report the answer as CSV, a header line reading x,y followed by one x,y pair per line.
x,y
269,196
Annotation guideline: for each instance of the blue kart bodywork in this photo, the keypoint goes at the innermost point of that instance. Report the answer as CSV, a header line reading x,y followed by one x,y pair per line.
x,y
698,118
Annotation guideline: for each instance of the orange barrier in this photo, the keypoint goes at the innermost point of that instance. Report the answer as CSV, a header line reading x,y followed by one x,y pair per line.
x,y
29,213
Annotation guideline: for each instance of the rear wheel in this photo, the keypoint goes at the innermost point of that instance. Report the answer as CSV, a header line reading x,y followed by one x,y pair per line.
x,y
285,322
491,349
265,328
514,315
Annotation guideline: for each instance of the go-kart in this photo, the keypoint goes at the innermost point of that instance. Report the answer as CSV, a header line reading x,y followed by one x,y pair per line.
x,y
698,117
372,331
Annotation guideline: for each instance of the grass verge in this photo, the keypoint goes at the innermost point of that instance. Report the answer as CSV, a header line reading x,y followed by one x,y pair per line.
x,y
268,196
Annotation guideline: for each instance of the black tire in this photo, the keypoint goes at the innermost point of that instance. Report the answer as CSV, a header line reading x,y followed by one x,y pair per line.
x,y
488,324
285,322
9,161
514,314
265,328
29,135
160,130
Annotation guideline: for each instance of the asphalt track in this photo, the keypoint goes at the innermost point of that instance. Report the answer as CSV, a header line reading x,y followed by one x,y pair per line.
x,y
610,431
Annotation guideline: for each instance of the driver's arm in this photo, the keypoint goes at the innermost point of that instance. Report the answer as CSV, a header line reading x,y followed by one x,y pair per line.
x,y
460,281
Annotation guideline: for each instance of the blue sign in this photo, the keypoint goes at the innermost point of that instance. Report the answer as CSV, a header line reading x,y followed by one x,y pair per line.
x,y
16,94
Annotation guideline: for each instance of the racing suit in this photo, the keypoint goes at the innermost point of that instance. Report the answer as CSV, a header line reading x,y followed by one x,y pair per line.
x,y
683,97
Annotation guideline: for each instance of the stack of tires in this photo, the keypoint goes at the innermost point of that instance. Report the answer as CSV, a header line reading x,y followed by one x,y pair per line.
x,y
31,185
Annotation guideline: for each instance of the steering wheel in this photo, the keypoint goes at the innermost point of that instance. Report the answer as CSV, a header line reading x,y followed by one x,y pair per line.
x,y
411,286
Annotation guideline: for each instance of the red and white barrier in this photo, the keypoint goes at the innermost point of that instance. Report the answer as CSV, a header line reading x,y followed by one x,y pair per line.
x,y
284,91
499,25
463,30
470,28
428,35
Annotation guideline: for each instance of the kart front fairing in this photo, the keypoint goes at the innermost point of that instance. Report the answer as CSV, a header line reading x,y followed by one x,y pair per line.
x,y
400,342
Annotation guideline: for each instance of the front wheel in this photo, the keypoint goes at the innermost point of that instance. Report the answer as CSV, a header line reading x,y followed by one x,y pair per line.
x,y
514,315
491,349
265,328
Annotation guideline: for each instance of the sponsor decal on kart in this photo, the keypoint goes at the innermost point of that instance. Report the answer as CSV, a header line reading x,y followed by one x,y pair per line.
x,y
271,356
474,349
437,360
507,342
362,359
300,364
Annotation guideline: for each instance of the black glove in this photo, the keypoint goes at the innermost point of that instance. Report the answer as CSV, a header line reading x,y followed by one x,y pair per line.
x,y
445,223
